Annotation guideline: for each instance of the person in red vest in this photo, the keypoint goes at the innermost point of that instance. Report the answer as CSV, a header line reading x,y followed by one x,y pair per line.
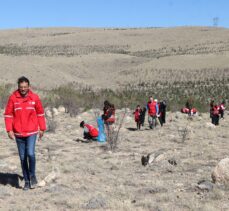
x,y
152,107
108,113
90,132
222,109
108,116
24,121
214,113
137,116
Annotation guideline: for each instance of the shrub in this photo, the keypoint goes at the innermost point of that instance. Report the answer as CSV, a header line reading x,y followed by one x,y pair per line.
x,y
75,96
4,94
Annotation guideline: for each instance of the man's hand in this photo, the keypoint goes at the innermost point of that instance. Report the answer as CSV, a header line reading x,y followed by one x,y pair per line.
x,y
11,135
41,133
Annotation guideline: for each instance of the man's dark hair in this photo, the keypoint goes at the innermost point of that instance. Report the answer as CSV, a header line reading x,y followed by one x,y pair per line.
x,y
23,79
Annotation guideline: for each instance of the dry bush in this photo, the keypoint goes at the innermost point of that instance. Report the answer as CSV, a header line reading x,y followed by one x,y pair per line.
x,y
4,94
183,133
73,96
61,50
112,134
51,124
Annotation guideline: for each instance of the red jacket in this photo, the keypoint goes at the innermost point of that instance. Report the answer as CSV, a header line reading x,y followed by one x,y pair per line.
x,y
92,131
24,116
137,114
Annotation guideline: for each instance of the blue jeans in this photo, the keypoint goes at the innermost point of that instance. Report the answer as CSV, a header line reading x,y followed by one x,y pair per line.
x,y
26,151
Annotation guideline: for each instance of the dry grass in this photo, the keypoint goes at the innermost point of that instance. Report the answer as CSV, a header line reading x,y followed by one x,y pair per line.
x,y
91,177
88,56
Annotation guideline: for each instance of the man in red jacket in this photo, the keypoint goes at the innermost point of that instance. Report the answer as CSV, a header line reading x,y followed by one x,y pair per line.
x,y
24,119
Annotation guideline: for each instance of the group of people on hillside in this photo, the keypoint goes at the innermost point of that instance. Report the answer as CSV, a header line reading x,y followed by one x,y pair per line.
x,y
189,109
108,117
25,123
156,110
217,111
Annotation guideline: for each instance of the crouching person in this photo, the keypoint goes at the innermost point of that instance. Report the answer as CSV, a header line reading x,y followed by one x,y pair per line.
x,y
90,132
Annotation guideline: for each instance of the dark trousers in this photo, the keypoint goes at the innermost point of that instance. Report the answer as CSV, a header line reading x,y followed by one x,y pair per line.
x,y
221,114
138,125
160,120
215,119
89,137
26,151
163,114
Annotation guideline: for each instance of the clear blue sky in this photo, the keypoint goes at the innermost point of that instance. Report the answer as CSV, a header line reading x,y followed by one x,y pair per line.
x,y
113,13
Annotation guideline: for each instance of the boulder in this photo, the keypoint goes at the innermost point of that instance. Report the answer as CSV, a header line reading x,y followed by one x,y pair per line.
x,y
61,109
48,113
220,173
55,111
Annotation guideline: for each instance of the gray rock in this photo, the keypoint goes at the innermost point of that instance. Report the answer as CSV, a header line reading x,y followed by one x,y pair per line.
x,y
220,173
205,185
172,161
153,190
153,157
97,202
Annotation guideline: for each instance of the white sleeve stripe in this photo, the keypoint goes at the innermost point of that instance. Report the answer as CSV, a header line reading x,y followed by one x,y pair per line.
x,y
8,116
40,114
17,109
31,108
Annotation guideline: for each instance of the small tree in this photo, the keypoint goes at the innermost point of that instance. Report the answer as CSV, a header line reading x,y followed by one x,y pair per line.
x,y
113,132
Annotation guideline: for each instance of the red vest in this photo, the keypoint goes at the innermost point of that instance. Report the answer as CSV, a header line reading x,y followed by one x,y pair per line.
x,y
215,110
92,131
111,119
152,108
137,115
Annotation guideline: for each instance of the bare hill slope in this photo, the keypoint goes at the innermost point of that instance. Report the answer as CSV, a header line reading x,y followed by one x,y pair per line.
x,y
113,57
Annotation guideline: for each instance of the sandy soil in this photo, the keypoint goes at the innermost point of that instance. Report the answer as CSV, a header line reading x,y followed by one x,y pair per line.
x,y
85,176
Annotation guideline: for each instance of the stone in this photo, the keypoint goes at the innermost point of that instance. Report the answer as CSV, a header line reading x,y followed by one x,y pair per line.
x,y
52,176
48,113
42,183
55,111
205,185
220,173
172,161
96,203
61,109
153,157
210,125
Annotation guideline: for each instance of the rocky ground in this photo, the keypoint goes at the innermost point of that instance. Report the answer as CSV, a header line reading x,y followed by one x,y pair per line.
x,y
76,175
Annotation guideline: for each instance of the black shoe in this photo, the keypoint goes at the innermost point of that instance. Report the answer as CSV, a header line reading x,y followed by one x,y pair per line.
x,y
33,182
26,186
